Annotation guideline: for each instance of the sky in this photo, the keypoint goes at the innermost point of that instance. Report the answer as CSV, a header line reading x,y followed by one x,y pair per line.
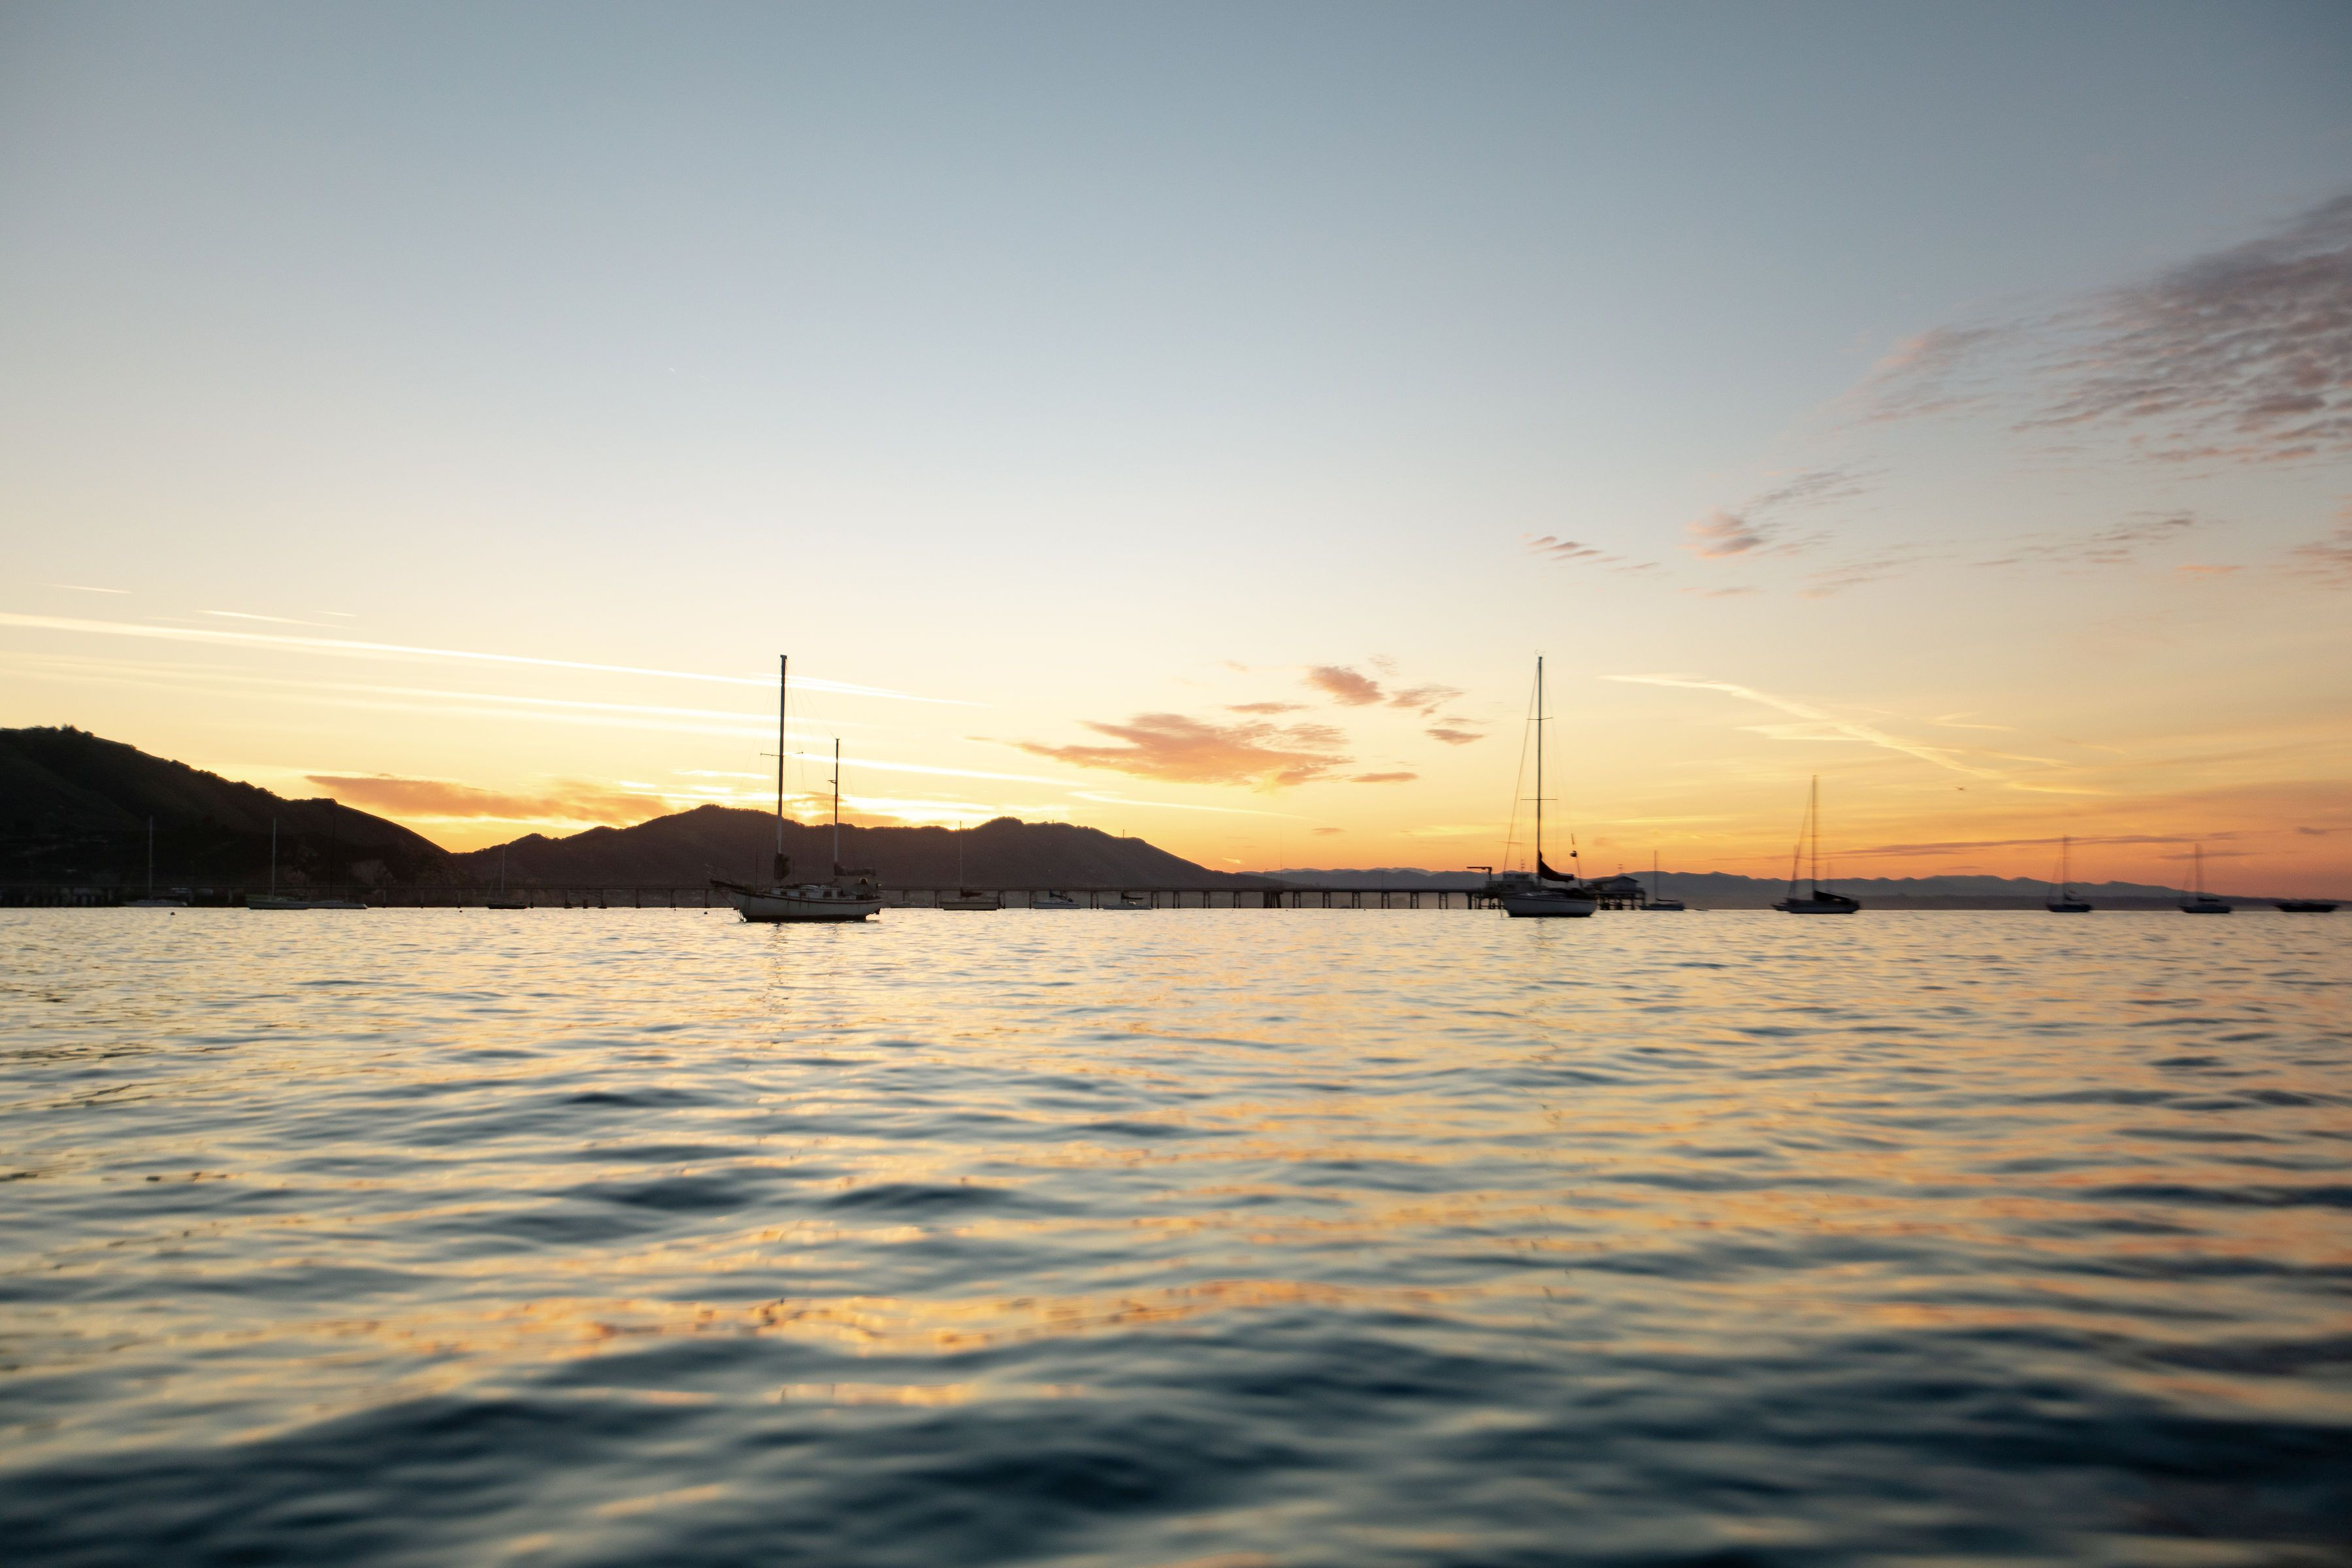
x,y
1194,421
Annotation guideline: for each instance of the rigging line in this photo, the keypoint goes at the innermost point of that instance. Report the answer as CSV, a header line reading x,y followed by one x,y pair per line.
x,y
1511,834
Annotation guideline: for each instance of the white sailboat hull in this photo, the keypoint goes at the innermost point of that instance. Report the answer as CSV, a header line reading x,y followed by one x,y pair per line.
x,y
779,905
1548,906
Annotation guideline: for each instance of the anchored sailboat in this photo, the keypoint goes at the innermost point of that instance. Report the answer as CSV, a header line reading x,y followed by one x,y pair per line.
x,y
1546,893
2203,902
849,896
2062,900
1818,902
969,898
1652,898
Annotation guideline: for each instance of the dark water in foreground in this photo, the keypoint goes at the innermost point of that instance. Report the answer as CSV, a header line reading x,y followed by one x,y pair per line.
x,y
1294,1238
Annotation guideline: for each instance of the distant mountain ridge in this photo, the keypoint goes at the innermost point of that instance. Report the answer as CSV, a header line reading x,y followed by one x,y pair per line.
x,y
731,842
74,807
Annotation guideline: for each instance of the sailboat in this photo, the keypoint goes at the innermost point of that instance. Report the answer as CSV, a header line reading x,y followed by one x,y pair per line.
x,y
334,853
849,896
2203,902
2062,900
1545,893
1653,900
156,901
503,900
273,900
1817,902
969,898
1051,899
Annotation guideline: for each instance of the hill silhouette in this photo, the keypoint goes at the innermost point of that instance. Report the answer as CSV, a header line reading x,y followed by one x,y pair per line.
x,y
74,807
735,843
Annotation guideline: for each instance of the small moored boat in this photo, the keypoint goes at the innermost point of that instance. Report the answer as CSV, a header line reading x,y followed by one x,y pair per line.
x,y
2201,902
1820,900
1543,894
848,895
2062,900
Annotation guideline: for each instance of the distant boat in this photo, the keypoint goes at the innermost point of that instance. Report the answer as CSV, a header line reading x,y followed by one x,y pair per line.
x,y
1655,901
1127,901
1819,901
1051,901
2306,907
155,900
1544,894
849,896
503,900
969,898
2062,900
273,900
331,901
2203,902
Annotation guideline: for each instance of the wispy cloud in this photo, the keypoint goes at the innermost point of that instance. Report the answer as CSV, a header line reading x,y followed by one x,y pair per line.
x,y
440,800
1453,737
1719,534
1814,487
1184,750
2118,544
2243,355
1344,686
1423,700
273,620
1266,707
84,588
1382,778
2328,559
1821,724
354,648
1574,553
2246,353
1934,372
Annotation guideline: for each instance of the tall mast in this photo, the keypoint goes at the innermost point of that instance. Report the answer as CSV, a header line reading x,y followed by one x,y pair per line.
x,y
1814,816
1540,725
783,687
836,805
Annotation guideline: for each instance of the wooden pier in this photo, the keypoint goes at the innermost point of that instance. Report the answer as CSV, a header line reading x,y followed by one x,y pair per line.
x,y
707,898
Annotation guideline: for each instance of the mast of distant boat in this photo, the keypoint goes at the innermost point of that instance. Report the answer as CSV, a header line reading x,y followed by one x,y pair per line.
x,y
784,687
837,806
1540,725
1813,818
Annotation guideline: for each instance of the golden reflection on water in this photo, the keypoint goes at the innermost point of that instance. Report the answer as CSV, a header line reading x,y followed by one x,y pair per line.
x,y
541,1141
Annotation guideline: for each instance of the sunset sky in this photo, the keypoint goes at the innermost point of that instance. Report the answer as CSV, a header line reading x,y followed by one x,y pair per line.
x,y
1193,422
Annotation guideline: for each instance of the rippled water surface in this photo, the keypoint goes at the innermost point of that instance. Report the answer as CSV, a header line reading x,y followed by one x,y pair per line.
x,y
1228,1237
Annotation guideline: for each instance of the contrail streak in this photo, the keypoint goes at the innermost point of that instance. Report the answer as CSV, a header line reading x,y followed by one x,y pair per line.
x,y
401,650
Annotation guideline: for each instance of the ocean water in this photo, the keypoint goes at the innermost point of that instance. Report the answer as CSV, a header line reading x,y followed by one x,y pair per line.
x,y
1198,1237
